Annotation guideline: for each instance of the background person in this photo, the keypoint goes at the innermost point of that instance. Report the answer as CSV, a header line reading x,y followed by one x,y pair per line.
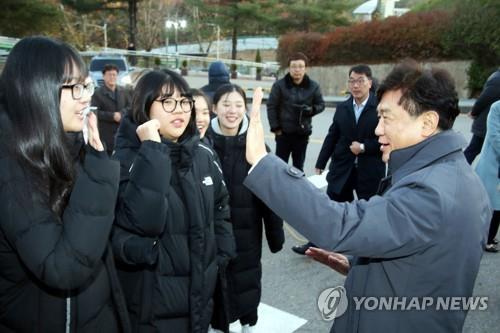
x,y
202,107
351,145
112,102
489,95
218,75
292,103
488,169
171,232
57,198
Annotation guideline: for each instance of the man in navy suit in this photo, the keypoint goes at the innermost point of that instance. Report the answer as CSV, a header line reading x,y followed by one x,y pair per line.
x,y
351,144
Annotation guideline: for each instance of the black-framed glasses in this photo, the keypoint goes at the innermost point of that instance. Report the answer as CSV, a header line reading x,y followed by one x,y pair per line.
x,y
359,81
79,89
169,104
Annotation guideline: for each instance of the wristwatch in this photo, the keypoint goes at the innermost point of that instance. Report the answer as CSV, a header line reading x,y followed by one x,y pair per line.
x,y
362,147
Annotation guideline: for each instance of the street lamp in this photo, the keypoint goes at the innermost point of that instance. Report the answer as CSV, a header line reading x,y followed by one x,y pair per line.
x,y
104,28
176,24
217,27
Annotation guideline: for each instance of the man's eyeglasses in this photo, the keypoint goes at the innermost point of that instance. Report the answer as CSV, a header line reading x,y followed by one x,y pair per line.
x,y
169,104
359,82
79,89
297,67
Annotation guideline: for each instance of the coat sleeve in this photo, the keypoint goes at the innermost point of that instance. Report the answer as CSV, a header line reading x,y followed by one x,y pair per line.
x,y
62,252
132,249
273,108
226,246
318,102
273,226
144,183
489,95
371,228
493,125
329,144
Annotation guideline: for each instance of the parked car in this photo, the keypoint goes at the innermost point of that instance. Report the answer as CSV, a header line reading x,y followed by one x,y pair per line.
x,y
98,62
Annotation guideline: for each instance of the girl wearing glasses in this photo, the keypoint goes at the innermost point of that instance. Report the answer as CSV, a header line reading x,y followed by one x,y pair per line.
x,y
172,230
248,213
57,198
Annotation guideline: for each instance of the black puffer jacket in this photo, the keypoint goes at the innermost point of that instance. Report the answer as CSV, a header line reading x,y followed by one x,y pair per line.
x,y
57,274
172,231
290,107
247,214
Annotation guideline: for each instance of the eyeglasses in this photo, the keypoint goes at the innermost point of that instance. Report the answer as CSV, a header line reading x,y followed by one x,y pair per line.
x,y
359,82
79,89
169,104
297,67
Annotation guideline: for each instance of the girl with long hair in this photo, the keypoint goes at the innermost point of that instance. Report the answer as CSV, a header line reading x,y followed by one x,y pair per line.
x,y
57,197
172,232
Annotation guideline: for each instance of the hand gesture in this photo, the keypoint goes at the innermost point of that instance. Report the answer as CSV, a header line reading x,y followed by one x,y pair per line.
x,y
256,148
336,261
355,147
93,132
149,131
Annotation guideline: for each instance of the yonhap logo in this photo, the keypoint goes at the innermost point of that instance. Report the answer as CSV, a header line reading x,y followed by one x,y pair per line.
x,y
332,303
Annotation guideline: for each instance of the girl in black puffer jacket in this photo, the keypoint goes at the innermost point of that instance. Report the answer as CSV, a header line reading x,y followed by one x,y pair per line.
x,y
172,231
228,133
57,198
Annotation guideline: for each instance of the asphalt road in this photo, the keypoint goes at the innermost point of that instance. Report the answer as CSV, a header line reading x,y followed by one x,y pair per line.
x,y
292,283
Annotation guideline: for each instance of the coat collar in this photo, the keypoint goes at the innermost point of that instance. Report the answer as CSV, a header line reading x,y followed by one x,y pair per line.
x,y
405,161
304,84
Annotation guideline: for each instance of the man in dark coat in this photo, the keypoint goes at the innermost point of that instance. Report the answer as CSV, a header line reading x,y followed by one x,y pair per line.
x,y
480,110
292,103
111,101
218,75
351,144
421,238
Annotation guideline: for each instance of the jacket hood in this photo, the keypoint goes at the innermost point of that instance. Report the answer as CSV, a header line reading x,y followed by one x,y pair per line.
x,y
408,160
218,73
214,124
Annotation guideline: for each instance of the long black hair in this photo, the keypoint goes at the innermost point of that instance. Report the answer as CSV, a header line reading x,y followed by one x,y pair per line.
x,y
155,84
30,90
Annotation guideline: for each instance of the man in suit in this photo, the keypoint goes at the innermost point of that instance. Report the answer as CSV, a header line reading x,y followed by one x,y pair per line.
x,y
292,103
112,102
421,237
351,144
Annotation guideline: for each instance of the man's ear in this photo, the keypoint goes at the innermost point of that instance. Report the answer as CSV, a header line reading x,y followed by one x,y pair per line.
x,y
430,123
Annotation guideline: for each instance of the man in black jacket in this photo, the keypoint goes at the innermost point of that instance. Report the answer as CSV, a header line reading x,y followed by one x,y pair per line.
x,y
480,110
351,143
112,102
292,103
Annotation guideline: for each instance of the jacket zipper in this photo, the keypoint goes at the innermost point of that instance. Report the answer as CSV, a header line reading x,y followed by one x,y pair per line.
x,y
68,314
